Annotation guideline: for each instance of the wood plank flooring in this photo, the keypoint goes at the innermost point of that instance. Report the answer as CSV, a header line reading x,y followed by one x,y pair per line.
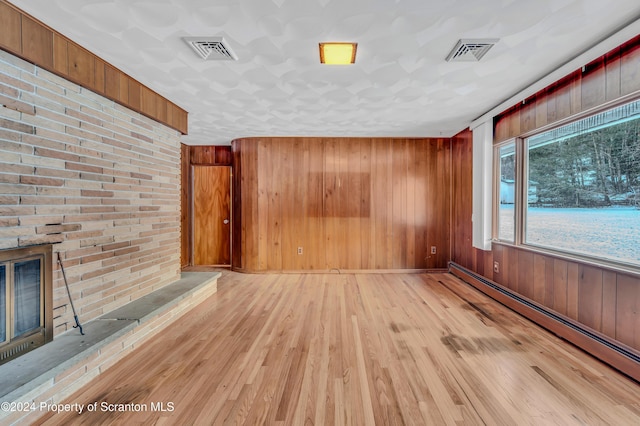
x,y
364,349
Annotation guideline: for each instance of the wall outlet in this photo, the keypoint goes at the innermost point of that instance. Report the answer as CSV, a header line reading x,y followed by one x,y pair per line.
x,y
496,267
299,250
433,249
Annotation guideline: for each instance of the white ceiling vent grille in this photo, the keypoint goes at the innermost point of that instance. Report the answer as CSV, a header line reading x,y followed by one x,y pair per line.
x,y
471,50
211,48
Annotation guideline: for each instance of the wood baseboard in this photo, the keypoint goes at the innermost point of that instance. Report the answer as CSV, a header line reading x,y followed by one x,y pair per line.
x,y
612,352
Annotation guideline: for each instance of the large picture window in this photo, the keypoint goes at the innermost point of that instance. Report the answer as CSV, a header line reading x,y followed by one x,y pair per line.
x,y
581,193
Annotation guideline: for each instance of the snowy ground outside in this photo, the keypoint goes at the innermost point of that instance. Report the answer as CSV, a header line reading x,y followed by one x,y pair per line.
x,y
609,232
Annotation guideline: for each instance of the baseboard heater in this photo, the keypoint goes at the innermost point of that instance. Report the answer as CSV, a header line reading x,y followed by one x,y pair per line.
x,y
607,350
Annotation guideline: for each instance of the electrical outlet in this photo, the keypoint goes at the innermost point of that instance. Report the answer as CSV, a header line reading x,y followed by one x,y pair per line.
x,y
496,267
299,250
433,249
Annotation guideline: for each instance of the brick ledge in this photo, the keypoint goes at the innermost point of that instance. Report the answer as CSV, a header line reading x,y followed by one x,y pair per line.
x,y
54,371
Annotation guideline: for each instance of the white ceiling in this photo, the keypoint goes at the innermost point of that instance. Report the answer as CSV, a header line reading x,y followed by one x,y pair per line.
x,y
401,84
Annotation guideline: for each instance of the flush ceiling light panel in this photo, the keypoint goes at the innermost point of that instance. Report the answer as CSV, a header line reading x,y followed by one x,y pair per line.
x,y
471,50
338,53
211,48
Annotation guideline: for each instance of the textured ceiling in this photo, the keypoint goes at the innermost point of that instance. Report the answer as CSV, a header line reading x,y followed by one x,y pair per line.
x,y
401,84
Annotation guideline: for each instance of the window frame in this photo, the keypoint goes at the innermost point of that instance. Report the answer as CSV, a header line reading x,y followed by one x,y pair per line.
x,y
10,336
497,178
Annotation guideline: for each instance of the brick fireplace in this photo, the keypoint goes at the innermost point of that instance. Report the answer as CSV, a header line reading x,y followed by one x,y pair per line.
x,y
92,180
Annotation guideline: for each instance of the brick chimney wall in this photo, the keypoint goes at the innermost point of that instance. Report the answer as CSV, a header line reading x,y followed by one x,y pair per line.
x,y
95,179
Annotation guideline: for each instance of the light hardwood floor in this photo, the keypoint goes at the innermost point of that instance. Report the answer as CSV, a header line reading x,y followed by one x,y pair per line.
x,y
364,349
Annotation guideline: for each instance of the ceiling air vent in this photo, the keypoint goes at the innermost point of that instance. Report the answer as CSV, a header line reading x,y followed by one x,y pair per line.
x,y
211,48
471,50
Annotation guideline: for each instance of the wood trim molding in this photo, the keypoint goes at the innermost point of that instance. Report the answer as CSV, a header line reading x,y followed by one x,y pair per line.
x,y
26,37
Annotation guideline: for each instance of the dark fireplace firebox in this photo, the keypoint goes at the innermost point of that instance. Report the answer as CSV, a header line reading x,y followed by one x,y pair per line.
x,y
26,313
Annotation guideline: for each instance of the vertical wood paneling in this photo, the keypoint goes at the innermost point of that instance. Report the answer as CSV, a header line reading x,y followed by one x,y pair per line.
x,y
593,84
365,182
629,69
237,233
498,256
211,155
148,100
559,286
134,90
100,79
37,43
590,297
548,282
292,202
270,233
60,55
609,300
314,256
421,191
539,278
10,29
82,66
387,198
611,76
628,310
350,203
431,196
382,207
354,196
253,225
185,206
442,222
123,85
542,110
331,203
562,97
112,83
576,93
525,272
399,202
223,155
528,115
410,153
461,187
572,290
342,241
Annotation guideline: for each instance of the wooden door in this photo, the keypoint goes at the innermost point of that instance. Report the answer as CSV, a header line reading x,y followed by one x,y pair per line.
x,y
211,215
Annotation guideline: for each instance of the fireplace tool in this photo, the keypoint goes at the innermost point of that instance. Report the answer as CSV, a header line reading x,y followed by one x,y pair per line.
x,y
66,284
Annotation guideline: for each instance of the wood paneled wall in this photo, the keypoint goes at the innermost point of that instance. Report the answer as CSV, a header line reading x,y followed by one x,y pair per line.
x,y
196,155
349,203
605,79
28,38
599,298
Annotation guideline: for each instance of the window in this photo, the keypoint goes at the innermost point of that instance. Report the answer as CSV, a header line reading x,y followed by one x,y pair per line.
x,y
507,191
582,187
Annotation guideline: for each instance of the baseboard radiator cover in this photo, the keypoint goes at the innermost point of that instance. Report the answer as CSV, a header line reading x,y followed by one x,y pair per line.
x,y
616,354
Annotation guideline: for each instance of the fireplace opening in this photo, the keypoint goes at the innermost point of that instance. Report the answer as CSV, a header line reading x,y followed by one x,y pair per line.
x,y
26,314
